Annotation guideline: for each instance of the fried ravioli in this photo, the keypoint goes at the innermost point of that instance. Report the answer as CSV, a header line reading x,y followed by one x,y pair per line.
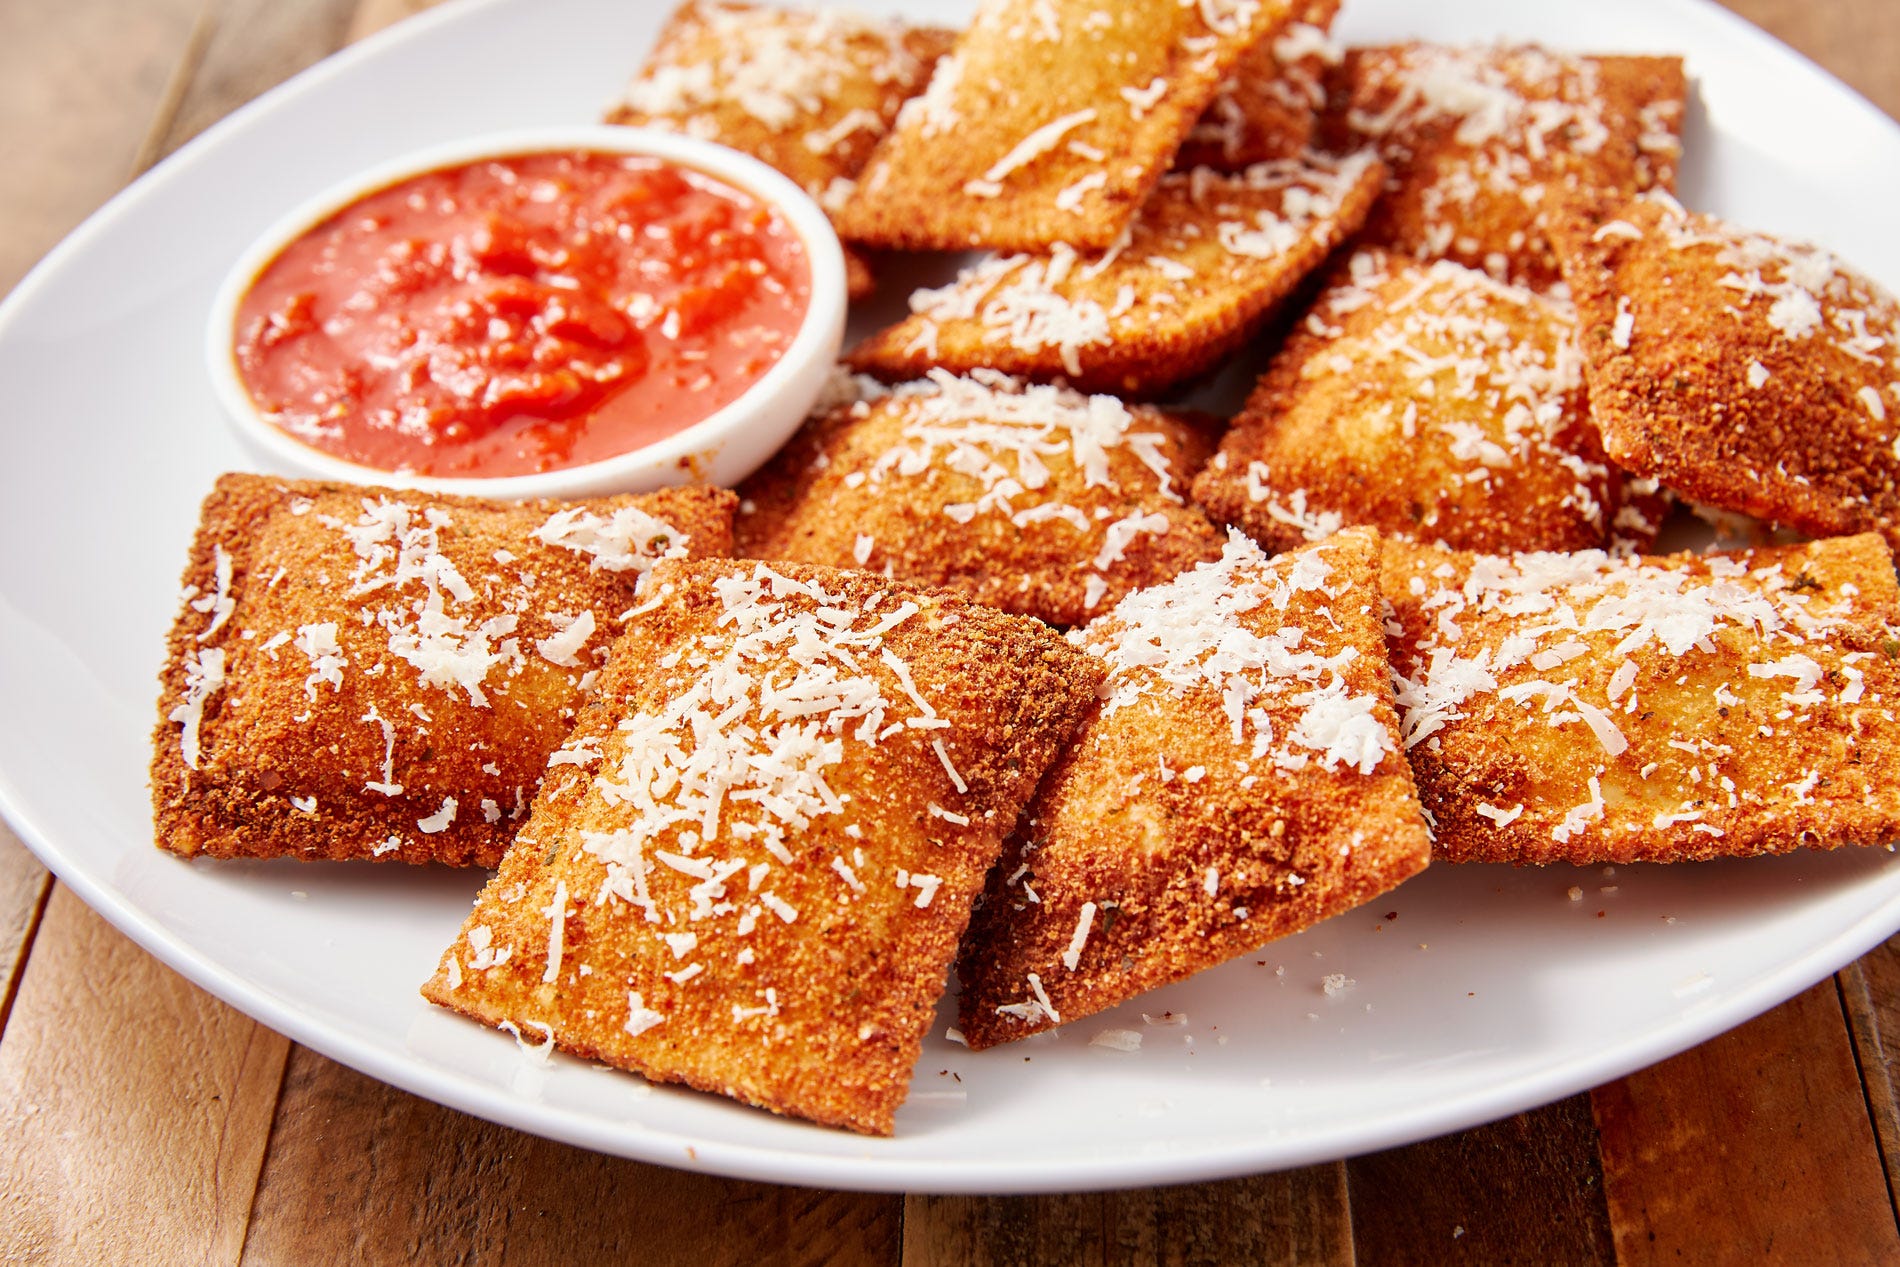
x,y
1475,138
1269,108
1242,779
1425,400
368,673
1034,499
1749,373
809,92
751,863
1578,708
1050,123
1201,269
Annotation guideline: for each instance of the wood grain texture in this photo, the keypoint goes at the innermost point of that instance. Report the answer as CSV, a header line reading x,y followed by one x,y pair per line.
x,y
246,47
1858,41
372,16
24,885
80,81
1754,1147
362,1173
1870,991
83,1128
1525,1190
133,1106
1296,1217
116,1071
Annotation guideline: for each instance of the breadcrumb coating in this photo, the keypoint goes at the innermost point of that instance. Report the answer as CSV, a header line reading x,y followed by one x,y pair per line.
x,y
1242,779
1033,499
1269,108
1198,273
370,673
1579,708
751,863
1429,401
1050,122
1746,372
1476,138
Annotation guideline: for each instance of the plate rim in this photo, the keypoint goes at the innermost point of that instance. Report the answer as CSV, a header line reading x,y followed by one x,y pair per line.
x,y
866,1170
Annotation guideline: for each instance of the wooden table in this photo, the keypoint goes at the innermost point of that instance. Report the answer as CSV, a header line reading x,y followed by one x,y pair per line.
x,y
141,1120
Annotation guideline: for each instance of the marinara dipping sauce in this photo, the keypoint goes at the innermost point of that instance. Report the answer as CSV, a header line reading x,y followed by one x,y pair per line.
x,y
521,314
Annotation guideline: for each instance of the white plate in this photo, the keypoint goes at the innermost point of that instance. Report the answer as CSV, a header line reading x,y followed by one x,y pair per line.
x,y
1489,992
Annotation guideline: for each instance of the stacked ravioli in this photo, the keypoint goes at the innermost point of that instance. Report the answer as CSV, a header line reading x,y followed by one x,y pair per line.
x,y
1015,661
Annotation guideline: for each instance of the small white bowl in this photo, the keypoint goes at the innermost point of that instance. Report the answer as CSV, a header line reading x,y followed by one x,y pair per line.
x,y
720,449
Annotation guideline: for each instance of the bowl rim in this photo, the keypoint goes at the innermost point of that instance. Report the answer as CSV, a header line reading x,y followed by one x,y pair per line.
x,y
686,456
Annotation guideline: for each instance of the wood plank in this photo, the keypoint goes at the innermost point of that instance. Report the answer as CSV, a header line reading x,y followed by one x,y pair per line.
x,y
1857,42
1296,1217
373,15
80,81
1870,990
155,74
1753,1147
1144,1224
133,1106
24,885
360,1172
196,1104
1527,1189
248,47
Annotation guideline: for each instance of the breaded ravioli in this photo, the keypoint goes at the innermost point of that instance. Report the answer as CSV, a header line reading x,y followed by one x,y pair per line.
x,y
1270,107
807,91
1050,122
1746,372
751,862
1475,139
1200,270
1033,499
1579,708
1425,400
1241,779
369,673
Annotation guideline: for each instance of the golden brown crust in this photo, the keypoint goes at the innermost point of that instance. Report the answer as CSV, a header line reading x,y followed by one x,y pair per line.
x,y
1428,401
318,732
1150,852
808,92
913,485
1570,708
1204,265
1049,123
860,275
1475,139
1269,108
806,885
1748,373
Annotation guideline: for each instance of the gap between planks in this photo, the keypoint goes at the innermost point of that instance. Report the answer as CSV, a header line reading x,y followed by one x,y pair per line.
x,y
88,1118
1121,1220
361,1172
1870,995
1753,1147
1293,1217
1525,1189
24,888
133,1106
78,81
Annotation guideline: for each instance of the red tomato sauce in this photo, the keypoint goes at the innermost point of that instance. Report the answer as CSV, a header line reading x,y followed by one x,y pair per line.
x,y
521,314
